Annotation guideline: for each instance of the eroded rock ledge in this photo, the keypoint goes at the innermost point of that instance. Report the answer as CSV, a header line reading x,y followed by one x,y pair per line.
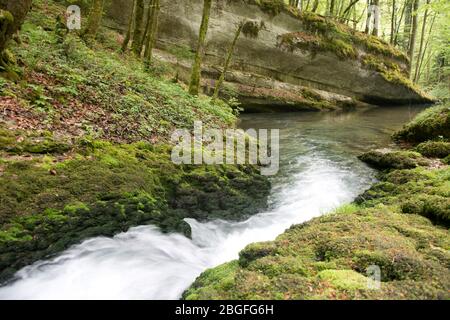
x,y
297,62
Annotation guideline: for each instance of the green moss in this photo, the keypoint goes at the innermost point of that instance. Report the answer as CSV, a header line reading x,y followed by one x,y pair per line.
x,y
221,278
316,43
435,207
344,279
430,124
385,159
402,246
434,149
255,251
347,209
273,266
271,7
104,188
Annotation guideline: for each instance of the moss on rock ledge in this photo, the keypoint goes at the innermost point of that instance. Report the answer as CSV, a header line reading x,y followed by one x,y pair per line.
x,y
388,159
433,123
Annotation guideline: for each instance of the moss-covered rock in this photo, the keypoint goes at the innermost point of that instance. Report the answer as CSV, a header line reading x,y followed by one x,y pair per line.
x,y
419,191
100,188
428,125
331,255
388,159
434,149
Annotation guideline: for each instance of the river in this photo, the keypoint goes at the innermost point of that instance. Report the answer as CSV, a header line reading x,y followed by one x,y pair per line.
x,y
319,171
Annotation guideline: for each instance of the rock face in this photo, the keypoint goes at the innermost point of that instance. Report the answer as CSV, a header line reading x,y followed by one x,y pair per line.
x,y
297,61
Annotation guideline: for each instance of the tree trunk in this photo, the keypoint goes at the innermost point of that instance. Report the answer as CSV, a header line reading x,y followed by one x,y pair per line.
x,y
94,19
393,18
412,44
196,68
136,46
148,24
12,15
152,33
315,5
407,26
332,7
422,49
227,61
397,30
130,27
376,19
369,17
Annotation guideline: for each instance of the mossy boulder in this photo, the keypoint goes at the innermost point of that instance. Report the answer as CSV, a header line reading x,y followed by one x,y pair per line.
x,y
430,124
388,159
434,149
411,253
416,191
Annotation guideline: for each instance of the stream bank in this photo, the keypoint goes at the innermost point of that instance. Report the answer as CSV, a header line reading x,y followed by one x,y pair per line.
x,y
400,225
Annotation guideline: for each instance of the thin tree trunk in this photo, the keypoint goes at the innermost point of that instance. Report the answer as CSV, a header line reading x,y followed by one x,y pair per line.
x,y
136,46
376,20
152,34
307,6
332,2
361,16
94,19
227,61
422,38
394,9
412,44
350,6
340,9
397,31
194,85
130,27
407,26
315,5
148,24
426,46
369,17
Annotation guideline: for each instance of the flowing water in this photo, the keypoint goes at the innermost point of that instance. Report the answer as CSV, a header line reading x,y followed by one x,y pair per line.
x,y
319,171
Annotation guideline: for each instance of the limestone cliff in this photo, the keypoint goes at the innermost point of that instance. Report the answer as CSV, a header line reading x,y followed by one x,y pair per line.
x,y
297,61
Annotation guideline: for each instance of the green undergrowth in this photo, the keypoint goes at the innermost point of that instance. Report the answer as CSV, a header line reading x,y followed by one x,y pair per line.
x,y
53,197
432,124
399,225
93,89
